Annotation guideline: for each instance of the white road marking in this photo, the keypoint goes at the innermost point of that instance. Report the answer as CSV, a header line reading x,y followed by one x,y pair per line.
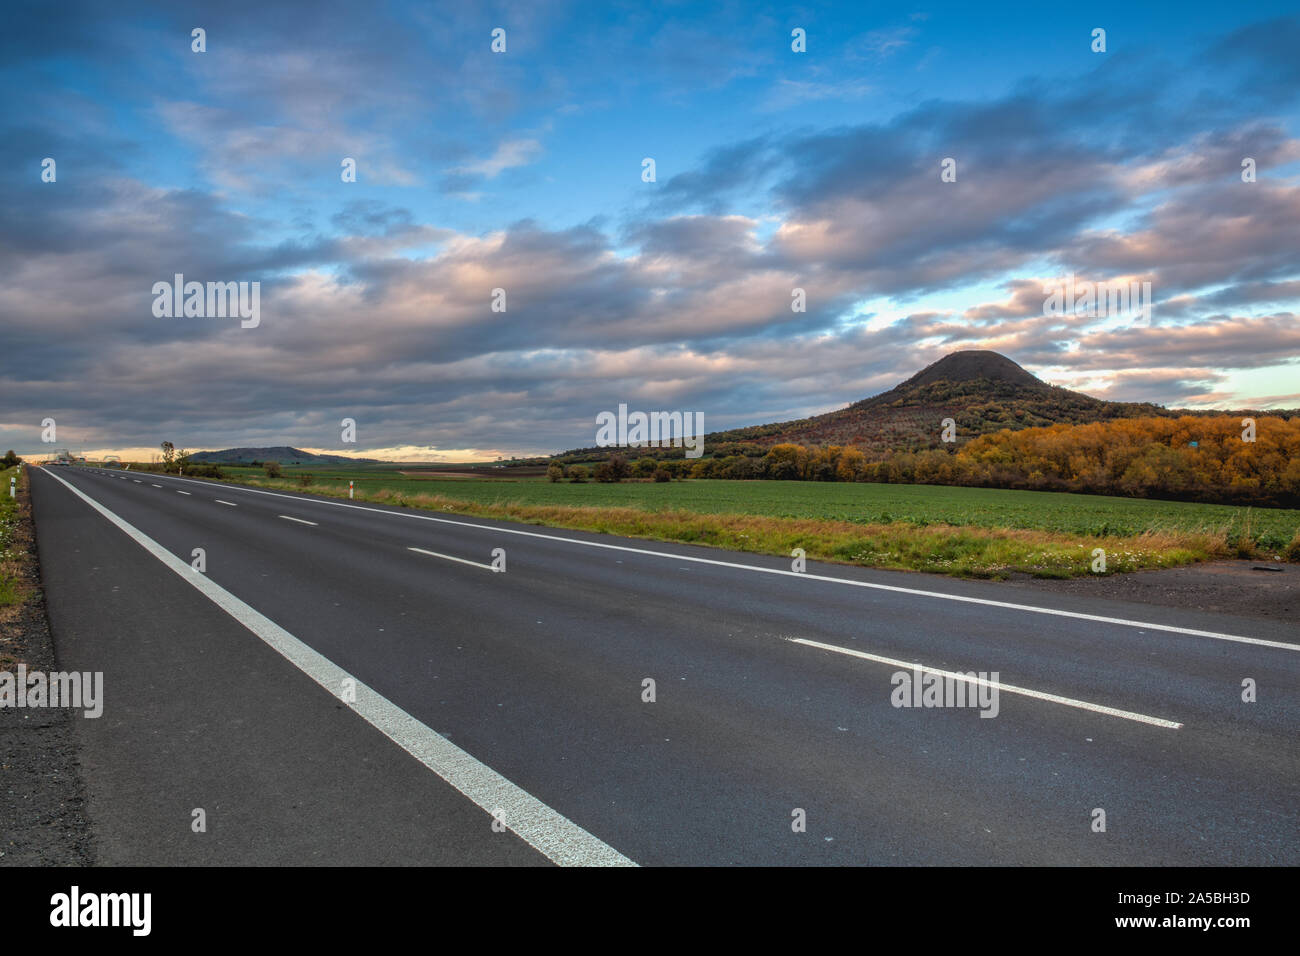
x,y
448,557
1077,615
182,492
220,502
156,486
981,682
136,480
547,831
300,521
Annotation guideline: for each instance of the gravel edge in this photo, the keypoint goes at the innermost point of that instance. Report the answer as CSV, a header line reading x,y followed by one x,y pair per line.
x,y
43,819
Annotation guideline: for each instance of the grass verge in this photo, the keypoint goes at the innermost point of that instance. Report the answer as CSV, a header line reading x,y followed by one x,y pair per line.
x,y
16,571
959,550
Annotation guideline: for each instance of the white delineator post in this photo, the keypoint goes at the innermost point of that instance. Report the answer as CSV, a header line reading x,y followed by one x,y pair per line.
x,y
13,492
349,489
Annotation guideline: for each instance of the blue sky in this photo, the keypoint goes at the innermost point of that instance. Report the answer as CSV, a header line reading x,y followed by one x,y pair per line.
x,y
522,170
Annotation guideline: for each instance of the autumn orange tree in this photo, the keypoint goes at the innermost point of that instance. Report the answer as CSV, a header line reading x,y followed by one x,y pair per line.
x,y
1198,457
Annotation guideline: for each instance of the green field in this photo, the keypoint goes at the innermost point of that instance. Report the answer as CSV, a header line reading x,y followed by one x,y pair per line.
x,y
861,503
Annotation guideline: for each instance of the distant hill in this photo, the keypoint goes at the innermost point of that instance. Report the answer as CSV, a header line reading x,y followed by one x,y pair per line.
x,y
982,391
971,365
284,454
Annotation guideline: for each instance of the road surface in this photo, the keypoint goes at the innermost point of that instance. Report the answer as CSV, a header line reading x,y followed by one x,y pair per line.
x,y
348,683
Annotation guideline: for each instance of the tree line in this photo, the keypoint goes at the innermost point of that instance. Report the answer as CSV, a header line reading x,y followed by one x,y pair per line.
x,y
1199,458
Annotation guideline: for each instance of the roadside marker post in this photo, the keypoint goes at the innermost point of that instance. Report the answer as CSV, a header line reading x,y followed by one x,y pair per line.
x,y
13,491
349,489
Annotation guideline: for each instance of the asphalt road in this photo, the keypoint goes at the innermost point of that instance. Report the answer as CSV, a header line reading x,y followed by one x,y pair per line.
x,y
521,693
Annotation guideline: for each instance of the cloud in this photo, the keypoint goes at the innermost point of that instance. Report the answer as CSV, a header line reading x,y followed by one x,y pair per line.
x,y
1175,387
786,93
883,43
378,308
509,155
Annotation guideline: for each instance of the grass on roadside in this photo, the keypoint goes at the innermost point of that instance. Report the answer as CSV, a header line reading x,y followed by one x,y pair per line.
x,y
15,560
959,550
12,554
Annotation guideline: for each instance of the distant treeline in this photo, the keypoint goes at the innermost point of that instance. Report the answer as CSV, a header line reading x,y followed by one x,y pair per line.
x,y
1146,457
187,468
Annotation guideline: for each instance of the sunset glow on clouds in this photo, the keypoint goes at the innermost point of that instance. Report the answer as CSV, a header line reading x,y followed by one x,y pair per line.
x,y
522,171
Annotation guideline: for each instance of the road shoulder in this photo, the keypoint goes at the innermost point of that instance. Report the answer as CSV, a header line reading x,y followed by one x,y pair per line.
x,y
43,818
1262,590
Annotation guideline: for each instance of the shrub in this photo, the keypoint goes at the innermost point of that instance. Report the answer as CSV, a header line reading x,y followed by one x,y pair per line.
x,y
305,480
614,468
272,469
704,468
1245,546
1293,549
578,474
736,467
554,471
663,474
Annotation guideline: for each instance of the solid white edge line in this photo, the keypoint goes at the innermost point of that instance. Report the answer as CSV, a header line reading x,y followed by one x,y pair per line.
x,y
982,682
229,503
179,492
1077,615
546,830
299,520
448,557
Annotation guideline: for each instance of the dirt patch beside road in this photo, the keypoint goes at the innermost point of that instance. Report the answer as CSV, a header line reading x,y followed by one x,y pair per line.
x,y
1226,587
